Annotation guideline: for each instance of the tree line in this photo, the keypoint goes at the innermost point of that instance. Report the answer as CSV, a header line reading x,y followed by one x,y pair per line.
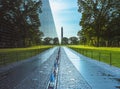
x,y
55,41
23,16
100,22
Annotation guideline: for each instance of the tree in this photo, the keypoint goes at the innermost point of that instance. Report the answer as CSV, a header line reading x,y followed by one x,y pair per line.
x,y
112,33
23,15
36,37
47,41
96,15
73,40
82,37
55,41
65,41
28,18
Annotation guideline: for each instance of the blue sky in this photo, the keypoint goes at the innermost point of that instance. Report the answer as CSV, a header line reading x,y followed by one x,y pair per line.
x,y
65,13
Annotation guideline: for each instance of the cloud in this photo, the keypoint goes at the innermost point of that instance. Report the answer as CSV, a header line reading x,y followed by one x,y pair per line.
x,y
58,6
61,5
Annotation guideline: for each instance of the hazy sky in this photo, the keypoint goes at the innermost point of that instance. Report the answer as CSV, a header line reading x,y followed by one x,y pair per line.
x,y
65,13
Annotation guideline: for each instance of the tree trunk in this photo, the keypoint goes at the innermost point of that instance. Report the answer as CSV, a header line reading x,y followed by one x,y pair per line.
x,y
106,43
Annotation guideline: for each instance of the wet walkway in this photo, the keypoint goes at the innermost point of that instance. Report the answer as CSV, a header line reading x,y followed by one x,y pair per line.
x,y
69,76
29,74
97,74
75,71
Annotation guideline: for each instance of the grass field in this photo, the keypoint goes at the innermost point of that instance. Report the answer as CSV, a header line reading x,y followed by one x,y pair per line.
x,y
110,55
10,55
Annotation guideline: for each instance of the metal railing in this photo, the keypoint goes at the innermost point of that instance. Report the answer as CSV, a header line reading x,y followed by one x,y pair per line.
x,y
111,58
10,57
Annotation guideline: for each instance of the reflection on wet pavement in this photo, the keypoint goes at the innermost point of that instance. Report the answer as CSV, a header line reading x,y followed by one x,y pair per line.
x,y
74,71
69,77
97,76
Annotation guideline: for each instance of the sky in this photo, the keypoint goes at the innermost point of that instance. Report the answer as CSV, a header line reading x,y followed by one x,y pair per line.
x,y
65,14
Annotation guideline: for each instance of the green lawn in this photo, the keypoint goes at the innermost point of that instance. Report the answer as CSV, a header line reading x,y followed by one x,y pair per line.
x,y
10,55
110,55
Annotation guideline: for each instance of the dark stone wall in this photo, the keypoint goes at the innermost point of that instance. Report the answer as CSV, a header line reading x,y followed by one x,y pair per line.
x,y
9,37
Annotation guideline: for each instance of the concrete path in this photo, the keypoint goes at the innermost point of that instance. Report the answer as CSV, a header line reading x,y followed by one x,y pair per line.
x,y
98,75
69,76
75,71
29,74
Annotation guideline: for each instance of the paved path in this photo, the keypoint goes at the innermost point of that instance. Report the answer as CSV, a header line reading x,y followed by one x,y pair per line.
x,y
69,76
30,74
98,75
75,72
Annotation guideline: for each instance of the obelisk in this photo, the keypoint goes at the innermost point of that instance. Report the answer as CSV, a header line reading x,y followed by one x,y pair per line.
x,y
61,34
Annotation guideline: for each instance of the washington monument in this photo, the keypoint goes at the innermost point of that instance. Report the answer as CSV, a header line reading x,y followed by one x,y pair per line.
x,y
61,34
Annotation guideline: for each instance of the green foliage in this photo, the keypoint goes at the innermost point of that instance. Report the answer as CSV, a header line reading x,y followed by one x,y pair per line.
x,y
73,40
65,41
55,41
23,16
11,55
100,20
48,41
